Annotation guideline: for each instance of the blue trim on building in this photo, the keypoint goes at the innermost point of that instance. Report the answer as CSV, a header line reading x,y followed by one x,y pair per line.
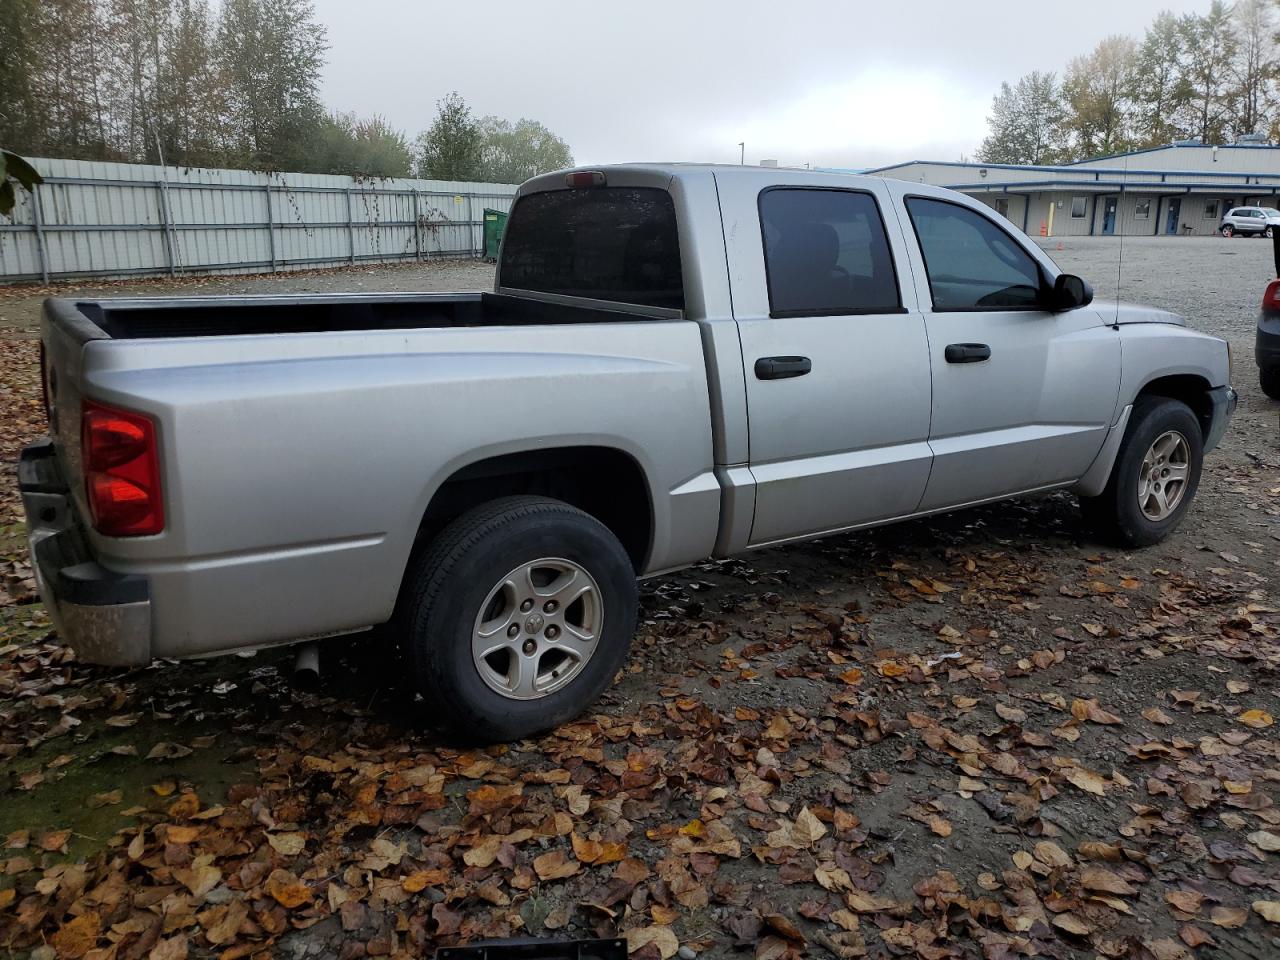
x,y
1075,168
1110,186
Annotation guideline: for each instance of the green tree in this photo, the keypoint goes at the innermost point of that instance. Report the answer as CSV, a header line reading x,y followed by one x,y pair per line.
x,y
20,117
361,148
272,51
1026,122
1252,98
514,152
1211,45
1157,85
1096,99
451,148
190,99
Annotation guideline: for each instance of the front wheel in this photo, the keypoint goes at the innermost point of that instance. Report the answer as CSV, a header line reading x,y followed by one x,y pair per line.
x,y
1269,380
1228,231
1155,475
518,616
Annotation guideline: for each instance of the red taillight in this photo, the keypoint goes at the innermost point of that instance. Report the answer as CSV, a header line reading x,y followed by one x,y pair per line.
x,y
1271,299
121,471
585,178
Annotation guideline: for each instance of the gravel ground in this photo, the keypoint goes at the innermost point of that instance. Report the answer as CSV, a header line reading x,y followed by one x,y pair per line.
x,y
1001,738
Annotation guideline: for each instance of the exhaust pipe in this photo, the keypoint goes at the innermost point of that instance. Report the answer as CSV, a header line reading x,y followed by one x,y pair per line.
x,y
306,667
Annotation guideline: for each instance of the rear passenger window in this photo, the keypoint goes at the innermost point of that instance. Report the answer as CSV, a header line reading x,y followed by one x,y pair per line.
x,y
604,243
972,264
826,253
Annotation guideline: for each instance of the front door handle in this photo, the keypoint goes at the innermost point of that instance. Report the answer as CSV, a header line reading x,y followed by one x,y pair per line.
x,y
967,352
782,368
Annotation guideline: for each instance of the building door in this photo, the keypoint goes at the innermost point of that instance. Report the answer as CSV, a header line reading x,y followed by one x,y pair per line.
x,y
1109,216
1175,213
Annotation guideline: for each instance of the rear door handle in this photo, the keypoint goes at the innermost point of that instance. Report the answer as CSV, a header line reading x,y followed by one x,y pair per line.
x,y
782,368
967,352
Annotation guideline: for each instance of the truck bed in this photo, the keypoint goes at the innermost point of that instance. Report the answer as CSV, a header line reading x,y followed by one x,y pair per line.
x,y
240,316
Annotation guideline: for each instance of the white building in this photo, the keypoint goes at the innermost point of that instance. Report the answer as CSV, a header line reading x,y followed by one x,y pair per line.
x,y
1181,189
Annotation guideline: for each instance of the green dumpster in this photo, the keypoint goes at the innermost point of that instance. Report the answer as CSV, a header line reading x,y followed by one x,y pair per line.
x,y
495,222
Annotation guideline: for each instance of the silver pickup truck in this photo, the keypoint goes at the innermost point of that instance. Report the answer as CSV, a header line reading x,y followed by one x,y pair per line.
x,y
676,362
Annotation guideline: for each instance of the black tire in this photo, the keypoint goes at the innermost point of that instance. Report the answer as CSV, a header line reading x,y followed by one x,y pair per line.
x,y
1228,231
1269,232
451,580
1269,380
1116,513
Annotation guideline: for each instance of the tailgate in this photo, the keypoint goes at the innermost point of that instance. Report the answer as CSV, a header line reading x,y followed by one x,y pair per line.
x,y
64,331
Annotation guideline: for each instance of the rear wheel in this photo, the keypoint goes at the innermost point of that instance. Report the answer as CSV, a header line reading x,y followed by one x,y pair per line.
x,y
1269,232
1269,380
1155,475
520,614
1228,230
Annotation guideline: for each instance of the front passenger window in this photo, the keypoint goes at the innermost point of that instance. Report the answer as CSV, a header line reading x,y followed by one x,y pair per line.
x,y
972,264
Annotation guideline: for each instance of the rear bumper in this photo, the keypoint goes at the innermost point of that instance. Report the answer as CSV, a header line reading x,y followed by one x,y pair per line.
x,y
1224,400
1267,344
104,616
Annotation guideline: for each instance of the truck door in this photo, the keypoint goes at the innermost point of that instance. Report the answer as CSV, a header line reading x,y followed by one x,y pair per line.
x,y
1022,396
836,360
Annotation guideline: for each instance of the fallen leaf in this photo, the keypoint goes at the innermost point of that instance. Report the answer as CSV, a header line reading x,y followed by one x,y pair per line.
x,y
1104,881
287,890
1086,780
1185,901
55,840
287,844
805,832
1231,918
174,948
1256,719
554,866
662,937
77,937
595,852
1268,910
1072,924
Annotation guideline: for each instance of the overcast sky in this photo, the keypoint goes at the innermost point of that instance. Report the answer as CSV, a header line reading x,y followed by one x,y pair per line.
x,y
831,84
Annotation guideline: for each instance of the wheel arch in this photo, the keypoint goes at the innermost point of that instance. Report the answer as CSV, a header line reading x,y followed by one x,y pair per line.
x,y
604,481
1189,388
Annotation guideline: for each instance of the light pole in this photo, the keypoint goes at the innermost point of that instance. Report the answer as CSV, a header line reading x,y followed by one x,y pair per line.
x,y
742,155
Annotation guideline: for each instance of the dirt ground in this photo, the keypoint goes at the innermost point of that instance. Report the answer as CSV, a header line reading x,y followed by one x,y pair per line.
x,y
982,734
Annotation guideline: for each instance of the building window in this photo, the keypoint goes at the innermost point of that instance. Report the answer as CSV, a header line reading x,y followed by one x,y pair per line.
x,y
1142,210
1002,206
1211,210
1078,205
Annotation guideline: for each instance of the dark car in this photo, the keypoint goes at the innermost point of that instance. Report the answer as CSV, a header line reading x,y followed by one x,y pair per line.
x,y
1267,350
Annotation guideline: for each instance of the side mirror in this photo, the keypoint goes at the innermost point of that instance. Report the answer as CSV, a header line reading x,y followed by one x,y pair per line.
x,y
1069,292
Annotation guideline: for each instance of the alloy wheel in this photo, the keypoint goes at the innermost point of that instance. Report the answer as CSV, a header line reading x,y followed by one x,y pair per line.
x,y
1162,480
537,628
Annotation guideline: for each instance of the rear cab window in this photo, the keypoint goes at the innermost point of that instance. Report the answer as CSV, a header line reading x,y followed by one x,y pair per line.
x,y
618,244
972,263
826,253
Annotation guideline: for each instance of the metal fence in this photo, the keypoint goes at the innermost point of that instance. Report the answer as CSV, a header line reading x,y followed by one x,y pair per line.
x,y
93,219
